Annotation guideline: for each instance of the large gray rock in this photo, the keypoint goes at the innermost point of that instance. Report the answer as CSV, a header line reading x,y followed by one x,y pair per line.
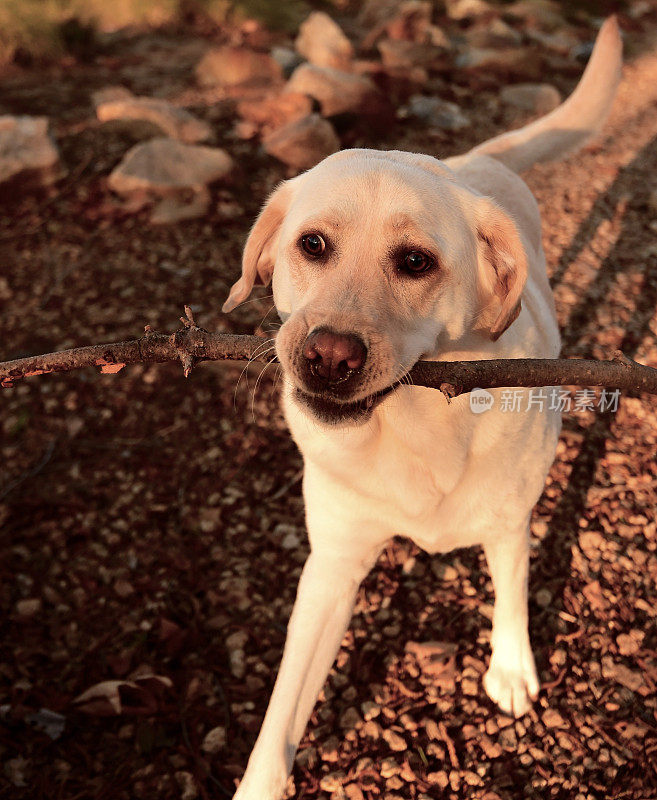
x,y
538,98
176,123
323,43
303,143
27,152
337,92
231,66
165,166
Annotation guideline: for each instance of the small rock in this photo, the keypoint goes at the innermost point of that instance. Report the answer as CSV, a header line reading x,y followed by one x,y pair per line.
x,y
332,781
411,22
174,122
493,34
214,740
303,143
232,66
508,739
370,710
176,209
446,115
123,588
28,607
398,54
237,640
165,166
275,110
371,729
582,52
482,57
442,571
349,718
394,740
630,644
538,98
389,767
330,749
543,597
490,748
336,91
470,687
553,719
622,674
15,769
187,786
27,152
544,14
353,792
110,94
322,42
440,779
468,9
237,663
287,58
559,42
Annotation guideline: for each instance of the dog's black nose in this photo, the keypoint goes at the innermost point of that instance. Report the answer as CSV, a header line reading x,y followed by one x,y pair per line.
x,y
332,356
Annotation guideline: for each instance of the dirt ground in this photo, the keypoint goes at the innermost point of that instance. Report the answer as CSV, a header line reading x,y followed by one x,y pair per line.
x,y
154,525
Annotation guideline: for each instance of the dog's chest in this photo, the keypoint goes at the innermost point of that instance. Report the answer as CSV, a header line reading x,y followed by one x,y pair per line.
x,y
396,473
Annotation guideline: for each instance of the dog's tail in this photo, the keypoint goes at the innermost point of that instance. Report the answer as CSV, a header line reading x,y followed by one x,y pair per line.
x,y
572,123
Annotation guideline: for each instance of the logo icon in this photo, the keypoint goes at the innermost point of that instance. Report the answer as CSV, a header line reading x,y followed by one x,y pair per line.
x,y
481,400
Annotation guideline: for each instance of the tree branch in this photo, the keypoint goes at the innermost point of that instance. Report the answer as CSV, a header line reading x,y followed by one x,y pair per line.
x,y
192,344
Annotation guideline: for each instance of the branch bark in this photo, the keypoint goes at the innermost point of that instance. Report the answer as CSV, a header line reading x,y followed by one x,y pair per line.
x,y
191,345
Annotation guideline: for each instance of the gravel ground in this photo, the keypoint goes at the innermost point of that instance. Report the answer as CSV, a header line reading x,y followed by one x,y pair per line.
x,y
152,526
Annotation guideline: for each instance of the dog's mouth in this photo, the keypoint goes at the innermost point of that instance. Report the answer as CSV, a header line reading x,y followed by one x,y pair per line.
x,y
335,412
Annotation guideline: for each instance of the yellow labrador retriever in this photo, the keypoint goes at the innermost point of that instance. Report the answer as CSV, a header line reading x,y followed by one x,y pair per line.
x,y
379,259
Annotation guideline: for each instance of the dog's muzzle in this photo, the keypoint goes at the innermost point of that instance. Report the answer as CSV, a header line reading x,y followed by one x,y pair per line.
x,y
331,363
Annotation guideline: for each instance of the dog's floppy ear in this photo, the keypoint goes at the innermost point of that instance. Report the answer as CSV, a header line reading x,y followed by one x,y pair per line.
x,y
260,249
502,269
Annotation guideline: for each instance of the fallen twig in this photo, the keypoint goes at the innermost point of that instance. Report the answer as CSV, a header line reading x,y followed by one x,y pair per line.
x,y
192,344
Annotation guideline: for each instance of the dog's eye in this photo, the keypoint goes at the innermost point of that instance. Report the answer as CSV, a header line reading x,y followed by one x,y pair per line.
x,y
416,262
313,244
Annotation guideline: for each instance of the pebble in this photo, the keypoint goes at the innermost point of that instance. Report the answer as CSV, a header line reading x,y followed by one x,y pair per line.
x,y
322,42
482,57
166,166
439,114
349,718
172,121
370,710
538,98
394,740
303,143
28,607
332,781
275,110
336,91
552,719
232,66
468,9
27,151
214,740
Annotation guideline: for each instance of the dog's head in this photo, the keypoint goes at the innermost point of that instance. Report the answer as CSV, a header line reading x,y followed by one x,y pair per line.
x,y
374,256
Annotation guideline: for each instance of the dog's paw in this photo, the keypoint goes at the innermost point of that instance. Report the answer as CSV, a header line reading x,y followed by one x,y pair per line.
x,y
512,683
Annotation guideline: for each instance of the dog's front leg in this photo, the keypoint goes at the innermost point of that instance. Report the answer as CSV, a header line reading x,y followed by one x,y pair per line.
x,y
511,679
321,614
